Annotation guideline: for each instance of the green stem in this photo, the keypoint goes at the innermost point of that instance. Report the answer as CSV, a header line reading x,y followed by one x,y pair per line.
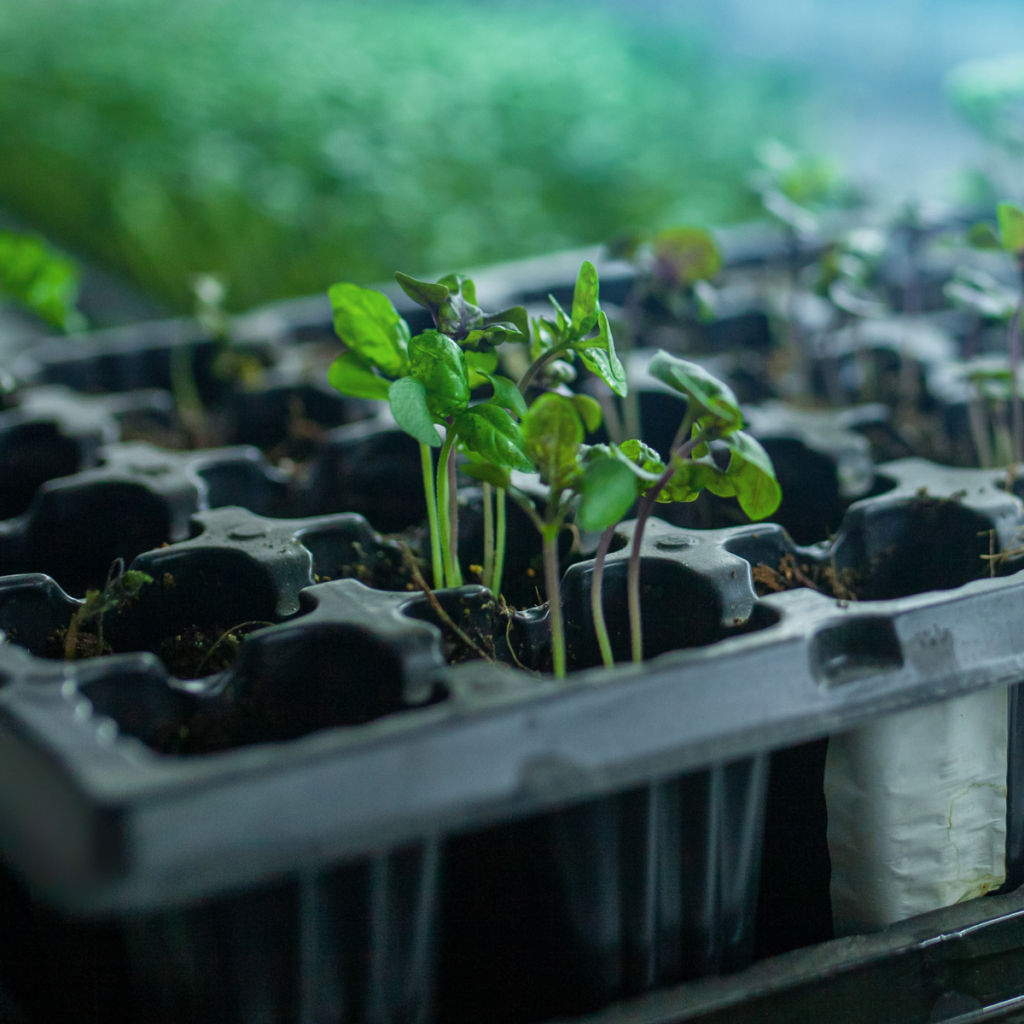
x,y
536,366
186,393
1018,404
436,562
488,536
453,520
551,584
596,596
499,544
71,637
443,509
643,514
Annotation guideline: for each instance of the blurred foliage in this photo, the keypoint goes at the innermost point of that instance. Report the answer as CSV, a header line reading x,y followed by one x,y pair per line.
x,y
41,279
990,94
284,146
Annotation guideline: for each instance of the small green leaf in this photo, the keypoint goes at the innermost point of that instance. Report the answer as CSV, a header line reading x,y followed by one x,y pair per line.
x,y
589,410
367,323
584,299
495,475
428,295
459,284
458,318
983,236
507,395
480,366
710,396
608,490
563,322
490,432
691,476
553,432
752,475
1011,227
41,278
408,400
685,255
599,356
353,376
518,317
439,365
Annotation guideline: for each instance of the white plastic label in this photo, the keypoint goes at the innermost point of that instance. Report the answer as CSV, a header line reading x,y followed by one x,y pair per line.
x,y
917,811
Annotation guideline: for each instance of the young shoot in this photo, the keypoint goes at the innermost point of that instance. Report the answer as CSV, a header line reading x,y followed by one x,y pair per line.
x,y
1010,238
585,332
553,430
41,279
676,267
120,588
428,380
712,414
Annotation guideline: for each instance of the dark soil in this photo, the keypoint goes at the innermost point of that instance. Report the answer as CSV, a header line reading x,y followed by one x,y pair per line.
x,y
86,645
790,574
197,651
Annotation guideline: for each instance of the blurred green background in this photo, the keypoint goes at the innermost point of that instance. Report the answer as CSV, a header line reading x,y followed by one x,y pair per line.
x,y
287,145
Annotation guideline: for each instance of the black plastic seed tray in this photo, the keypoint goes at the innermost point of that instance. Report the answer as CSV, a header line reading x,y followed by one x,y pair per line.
x,y
339,818
961,965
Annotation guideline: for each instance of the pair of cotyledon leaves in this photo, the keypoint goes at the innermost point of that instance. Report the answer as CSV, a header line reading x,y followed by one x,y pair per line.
x,y
609,478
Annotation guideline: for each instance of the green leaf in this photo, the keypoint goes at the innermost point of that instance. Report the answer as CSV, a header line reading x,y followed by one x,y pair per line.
x,y
408,399
353,376
428,295
367,323
691,476
599,356
439,365
459,284
709,396
685,255
480,366
564,321
752,475
589,410
507,395
584,299
495,475
40,278
458,318
553,432
1011,227
608,490
518,317
490,432
491,336
983,236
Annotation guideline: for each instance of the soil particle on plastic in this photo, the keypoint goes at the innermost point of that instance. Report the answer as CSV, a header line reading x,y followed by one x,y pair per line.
x,y
792,575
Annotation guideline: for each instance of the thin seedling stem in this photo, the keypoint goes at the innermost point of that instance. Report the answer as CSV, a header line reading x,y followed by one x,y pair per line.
x,y
436,561
551,583
536,366
596,596
499,544
225,635
488,536
443,507
643,514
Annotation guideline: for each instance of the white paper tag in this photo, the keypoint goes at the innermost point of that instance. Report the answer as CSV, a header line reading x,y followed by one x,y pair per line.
x,y
917,811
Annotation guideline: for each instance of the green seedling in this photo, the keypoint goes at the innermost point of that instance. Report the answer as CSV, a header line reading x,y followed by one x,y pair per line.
x,y
584,332
987,299
676,266
41,279
121,588
1009,237
428,380
553,430
712,414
